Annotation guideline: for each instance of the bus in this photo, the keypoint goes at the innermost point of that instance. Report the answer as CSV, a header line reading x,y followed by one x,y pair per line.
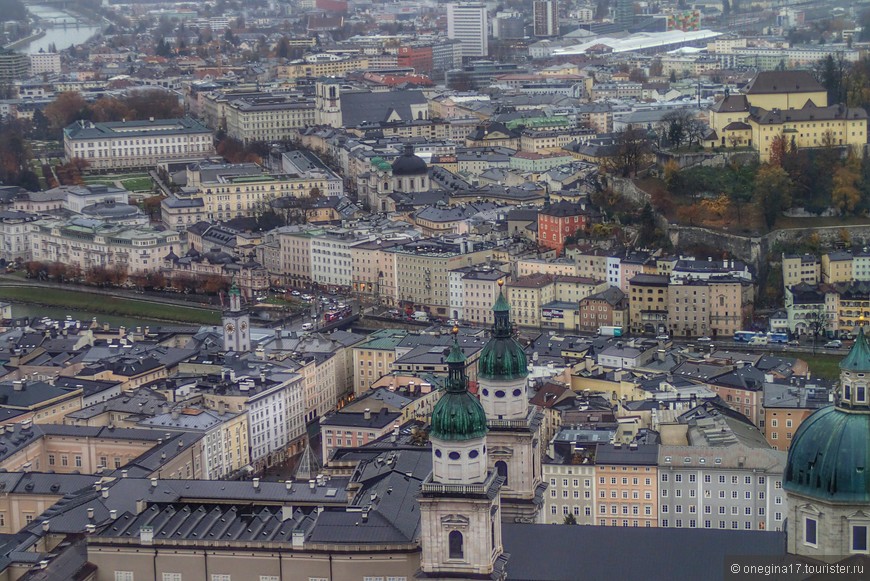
x,y
744,336
777,337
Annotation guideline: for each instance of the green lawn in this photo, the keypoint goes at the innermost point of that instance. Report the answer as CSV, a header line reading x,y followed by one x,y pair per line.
x,y
825,366
138,184
109,305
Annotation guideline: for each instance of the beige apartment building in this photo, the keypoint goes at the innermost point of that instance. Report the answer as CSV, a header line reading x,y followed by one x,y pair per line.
x,y
559,266
837,267
527,295
800,268
422,271
648,304
268,118
627,485
374,358
689,309
480,291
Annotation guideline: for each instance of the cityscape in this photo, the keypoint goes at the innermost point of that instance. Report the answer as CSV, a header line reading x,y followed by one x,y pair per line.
x,y
370,290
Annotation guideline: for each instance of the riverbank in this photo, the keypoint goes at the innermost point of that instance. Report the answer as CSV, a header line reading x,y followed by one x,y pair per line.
x,y
109,305
26,40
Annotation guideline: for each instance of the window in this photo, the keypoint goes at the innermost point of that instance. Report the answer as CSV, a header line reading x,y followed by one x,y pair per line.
x,y
502,470
455,543
78,461
268,578
810,531
220,577
859,538
123,575
51,459
177,577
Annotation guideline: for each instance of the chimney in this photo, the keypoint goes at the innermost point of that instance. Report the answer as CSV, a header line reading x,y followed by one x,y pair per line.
x,y
141,505
146,535
153,483
19,384
123,474
46,525
175,414
105,493
367,414
90,513
90,528
256,482
298,539
113,514
312,484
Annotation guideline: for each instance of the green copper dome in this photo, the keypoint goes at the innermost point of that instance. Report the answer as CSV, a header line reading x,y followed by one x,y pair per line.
x,y
829,457
858,358
458,415
502,357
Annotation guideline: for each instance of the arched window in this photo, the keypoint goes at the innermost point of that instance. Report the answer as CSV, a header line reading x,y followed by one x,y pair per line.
x,y
502,470
456,545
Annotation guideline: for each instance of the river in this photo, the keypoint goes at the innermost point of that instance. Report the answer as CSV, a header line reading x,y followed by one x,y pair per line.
x,y
61,28
59,314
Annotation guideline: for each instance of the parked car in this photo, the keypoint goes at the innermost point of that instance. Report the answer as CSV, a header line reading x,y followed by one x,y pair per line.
x,y
664,337
295,293
794,343
452,322
835,344
306,297
705,340
307,326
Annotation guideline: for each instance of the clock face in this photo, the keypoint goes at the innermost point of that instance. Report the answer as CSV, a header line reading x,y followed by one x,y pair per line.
x,y
230,327
243,325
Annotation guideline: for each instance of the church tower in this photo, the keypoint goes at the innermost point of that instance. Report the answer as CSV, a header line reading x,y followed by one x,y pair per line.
x,y
237,335
515,450
327,102
460,517
827,481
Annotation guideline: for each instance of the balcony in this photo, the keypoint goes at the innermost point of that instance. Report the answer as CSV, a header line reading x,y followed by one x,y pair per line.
x,y
488,487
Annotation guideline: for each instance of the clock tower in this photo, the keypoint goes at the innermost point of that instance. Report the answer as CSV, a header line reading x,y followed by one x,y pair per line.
x,y
237,335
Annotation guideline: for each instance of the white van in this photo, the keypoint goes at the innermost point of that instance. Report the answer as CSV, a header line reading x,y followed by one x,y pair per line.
x,y
420,316
307,326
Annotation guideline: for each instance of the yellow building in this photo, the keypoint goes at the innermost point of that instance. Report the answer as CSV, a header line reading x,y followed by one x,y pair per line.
x,y
785,103
800,268
837,267
328,66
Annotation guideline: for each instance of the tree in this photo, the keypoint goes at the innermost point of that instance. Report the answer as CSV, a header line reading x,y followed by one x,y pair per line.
x,y
110,109
569,520
691,214
282,51
67,107
773,188
817,322
631,150
778,150
845,195
718,207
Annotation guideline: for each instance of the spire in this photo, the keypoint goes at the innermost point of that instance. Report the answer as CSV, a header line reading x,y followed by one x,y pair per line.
x,y
858,358
502,328
457,381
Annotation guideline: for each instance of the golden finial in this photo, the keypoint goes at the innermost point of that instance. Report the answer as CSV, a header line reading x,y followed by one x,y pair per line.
x,y
501,282
455,329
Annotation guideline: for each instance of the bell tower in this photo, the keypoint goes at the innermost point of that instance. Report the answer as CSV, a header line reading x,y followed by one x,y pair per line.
x,y
237,336
515,450
460,505
328,103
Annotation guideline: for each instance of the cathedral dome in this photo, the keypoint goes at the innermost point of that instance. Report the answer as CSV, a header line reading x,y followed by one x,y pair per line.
x,y
502,357
458,415
408,164
829,457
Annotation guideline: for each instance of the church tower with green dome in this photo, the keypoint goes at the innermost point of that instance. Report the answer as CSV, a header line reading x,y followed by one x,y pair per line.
x,y
514,426
827,476
460,502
